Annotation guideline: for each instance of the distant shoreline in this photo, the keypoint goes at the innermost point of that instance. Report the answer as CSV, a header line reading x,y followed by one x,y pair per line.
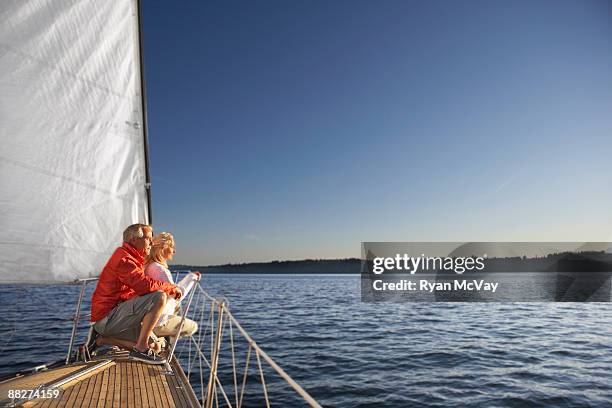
x,y
587,261
301,267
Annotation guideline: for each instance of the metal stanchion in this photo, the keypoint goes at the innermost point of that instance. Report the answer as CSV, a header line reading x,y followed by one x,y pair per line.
x,y
75,320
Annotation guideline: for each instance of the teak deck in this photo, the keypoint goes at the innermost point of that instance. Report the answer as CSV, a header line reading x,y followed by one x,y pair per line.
x,y
121,383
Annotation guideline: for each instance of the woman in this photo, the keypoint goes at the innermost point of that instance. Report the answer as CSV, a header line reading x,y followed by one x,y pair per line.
x,y
156,267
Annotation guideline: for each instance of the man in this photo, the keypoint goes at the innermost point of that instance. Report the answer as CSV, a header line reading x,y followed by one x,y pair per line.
x,y
126,304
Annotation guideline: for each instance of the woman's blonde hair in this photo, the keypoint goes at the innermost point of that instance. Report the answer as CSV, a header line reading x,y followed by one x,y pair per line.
x,y
161,241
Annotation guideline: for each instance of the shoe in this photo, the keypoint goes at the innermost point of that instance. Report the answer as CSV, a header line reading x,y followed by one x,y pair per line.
x,y
147,357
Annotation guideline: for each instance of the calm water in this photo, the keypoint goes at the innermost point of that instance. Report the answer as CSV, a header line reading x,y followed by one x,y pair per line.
x,y
352,354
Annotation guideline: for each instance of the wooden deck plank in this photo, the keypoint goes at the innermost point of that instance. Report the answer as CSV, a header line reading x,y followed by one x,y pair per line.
x,y
125,384
111,388
34,404
183,383
130,385
165,389
187,392
135,386
168,389
73,395
153,373
45,403
93,383
103,390
180,389
176,392
61,400
67,395
117,387
30,382
136,379
97,389
85,384
69,401
154,389
122,385
37,403
143,385
87,390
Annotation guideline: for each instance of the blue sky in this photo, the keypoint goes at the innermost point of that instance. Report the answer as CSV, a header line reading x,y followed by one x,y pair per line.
x,y
297,129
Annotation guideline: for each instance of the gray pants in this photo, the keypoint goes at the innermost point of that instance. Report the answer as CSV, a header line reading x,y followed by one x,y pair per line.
x,y
124,321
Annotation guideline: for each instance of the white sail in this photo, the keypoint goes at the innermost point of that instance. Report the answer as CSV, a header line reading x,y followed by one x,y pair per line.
x,y
72,162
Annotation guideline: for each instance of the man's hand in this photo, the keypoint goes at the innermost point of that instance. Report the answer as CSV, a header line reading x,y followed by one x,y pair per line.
x,y
157,345
178,294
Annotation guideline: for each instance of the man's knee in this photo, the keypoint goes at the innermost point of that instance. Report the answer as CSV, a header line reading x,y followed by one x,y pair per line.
x,y
160,298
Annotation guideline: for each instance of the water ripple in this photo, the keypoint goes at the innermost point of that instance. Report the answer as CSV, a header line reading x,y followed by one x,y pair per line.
x,y
352,354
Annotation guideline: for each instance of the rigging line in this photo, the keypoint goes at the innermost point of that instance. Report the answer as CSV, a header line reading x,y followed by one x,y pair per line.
x,y
224,325
182,349
201,324
223,391
263,380
234,363
202,338
224,329
202,301
178,311
197,344
212,329
202,395
246,372
201,376
203,356
189,359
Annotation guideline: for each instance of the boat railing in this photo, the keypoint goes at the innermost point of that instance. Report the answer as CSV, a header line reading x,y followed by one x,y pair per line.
x,y
221,360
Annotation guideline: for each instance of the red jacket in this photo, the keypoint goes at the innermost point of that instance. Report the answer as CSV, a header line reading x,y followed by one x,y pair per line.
x,y
122,279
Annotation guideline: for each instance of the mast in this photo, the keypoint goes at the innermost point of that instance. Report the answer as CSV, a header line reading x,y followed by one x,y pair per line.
x,y
145,127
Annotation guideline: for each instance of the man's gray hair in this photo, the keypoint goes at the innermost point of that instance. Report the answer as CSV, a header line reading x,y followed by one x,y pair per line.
x,y
135,231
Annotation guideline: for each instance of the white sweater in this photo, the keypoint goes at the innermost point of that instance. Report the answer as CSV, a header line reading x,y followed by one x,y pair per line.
x,y
159,272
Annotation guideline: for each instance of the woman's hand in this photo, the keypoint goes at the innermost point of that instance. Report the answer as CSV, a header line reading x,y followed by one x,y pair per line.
x,y
197,274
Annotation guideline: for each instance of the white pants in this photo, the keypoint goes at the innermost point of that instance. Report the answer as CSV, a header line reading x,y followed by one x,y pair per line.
x,y
171,326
